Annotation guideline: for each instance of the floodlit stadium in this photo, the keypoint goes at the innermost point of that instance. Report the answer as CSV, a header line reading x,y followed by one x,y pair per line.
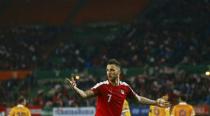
x,y
163,47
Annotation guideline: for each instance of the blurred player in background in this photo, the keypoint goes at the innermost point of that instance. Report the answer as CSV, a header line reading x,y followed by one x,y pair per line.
x,y
112,93
160,111
126,109
20,109
183,108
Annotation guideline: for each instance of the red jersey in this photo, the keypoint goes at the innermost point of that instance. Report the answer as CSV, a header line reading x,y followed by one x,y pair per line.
x,y
110,98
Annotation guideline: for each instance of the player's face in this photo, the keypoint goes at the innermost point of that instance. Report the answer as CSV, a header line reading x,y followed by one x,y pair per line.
x,y
112,72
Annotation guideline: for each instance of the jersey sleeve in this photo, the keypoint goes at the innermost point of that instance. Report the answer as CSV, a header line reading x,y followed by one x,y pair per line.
x,y
173,111
96,89
193,111
28,112
11,113
131,92
150,110
167,110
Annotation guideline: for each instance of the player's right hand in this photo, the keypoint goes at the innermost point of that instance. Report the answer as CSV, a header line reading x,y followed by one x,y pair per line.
x,y
71,82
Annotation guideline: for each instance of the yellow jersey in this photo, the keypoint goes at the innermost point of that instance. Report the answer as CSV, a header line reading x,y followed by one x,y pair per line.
x,y
20,110
159,111
126,109
183,109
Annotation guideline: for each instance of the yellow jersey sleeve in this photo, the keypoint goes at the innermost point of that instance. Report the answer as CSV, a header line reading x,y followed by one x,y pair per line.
x,y
126,109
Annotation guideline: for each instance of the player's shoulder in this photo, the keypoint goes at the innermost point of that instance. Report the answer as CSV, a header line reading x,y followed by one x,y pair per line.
x,y
124,84
26,108
190,106
176,106
13,108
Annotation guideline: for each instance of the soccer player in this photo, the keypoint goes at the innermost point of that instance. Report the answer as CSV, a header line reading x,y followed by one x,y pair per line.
x,y
183,108
112,92
126,109
160,111
20,109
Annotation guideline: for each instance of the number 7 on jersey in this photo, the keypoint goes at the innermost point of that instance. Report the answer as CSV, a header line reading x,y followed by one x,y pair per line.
x,y
109,97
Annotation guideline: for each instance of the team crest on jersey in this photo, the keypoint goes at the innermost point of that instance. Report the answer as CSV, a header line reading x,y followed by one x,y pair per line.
x,y
122,91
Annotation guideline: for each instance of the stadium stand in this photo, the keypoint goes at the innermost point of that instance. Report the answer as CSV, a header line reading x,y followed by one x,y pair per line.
x,y
164,47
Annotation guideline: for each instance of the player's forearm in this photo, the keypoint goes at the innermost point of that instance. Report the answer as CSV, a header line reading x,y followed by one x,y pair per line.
x,y
147,101
80,92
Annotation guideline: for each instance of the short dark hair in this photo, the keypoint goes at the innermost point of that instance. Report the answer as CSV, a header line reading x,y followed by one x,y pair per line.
x,y
183,97
20,99
114,61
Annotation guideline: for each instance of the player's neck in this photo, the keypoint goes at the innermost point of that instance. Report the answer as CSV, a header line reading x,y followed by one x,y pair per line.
x,y
115,82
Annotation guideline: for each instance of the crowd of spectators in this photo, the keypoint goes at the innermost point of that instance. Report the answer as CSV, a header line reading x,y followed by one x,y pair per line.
x,y
51,93
164,47
25,46
177,33
174,36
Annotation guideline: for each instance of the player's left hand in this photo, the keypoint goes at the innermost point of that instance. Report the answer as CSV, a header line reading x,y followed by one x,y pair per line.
x,y
162,103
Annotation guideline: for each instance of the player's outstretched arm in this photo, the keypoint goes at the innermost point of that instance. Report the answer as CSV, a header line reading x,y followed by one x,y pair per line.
x,y
159,102
145,100
84,94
